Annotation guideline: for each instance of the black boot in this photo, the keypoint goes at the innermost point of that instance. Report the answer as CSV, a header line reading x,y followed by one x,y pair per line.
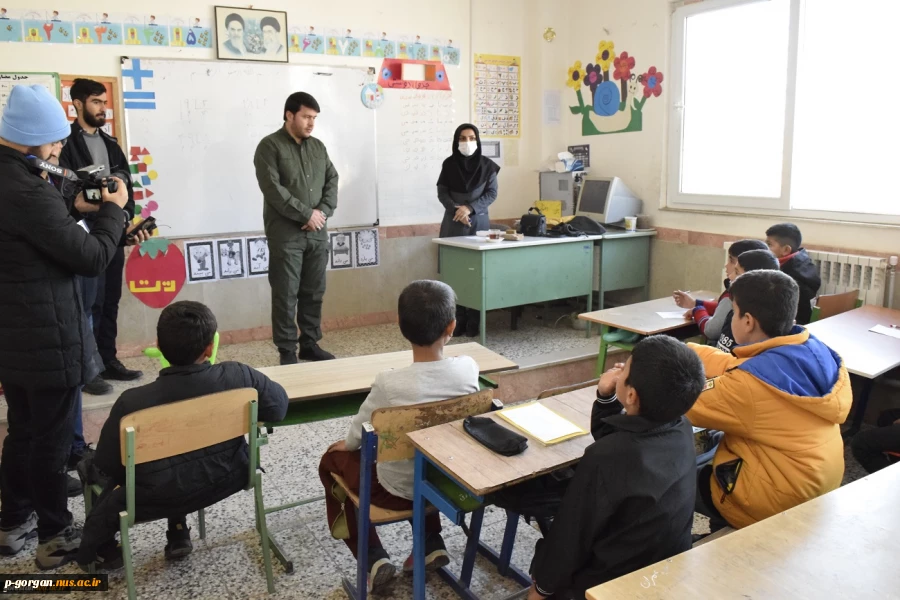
x,y
462,315
473,323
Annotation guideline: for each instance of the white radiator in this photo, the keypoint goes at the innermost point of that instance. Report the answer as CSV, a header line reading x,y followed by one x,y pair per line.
x,y
845,272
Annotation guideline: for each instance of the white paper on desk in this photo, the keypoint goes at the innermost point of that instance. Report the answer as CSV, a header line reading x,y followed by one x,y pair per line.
x,y
672,314
885,330
541,422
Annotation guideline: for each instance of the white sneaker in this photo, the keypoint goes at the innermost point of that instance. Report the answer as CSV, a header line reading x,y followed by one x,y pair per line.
x,y
13,539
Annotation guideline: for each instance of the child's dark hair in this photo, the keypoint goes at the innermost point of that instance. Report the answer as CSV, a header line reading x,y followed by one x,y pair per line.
x,y
298,100
426,308
770,296
667,376
739,247
184,331
786,234
758,260
82,89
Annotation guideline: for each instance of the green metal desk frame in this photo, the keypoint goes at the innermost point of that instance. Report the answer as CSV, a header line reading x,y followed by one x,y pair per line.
x,y
515,275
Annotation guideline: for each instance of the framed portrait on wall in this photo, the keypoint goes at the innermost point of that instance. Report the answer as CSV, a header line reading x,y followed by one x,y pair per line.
x,y
251,34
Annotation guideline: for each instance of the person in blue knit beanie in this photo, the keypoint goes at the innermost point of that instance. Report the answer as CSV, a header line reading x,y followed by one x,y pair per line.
x,y
47,351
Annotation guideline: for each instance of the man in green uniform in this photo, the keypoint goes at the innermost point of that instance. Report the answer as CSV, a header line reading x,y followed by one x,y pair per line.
x,y
299,185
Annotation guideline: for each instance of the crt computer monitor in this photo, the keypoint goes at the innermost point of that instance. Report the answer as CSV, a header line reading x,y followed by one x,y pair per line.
x,y
607,200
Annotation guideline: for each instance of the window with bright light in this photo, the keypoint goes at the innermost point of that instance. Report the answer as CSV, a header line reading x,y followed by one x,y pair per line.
x,y
785,105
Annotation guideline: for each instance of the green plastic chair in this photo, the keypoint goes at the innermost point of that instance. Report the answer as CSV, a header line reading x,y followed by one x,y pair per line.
x,y
165,432
154,352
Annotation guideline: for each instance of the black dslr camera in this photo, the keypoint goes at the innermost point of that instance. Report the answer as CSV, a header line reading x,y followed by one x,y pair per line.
x,y
88,180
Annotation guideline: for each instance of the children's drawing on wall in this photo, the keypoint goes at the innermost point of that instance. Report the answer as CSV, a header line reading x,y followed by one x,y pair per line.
x,y
258,253
10,26
201,264
340,251
618,92
199,33
306,40
451,54
231,258
48,27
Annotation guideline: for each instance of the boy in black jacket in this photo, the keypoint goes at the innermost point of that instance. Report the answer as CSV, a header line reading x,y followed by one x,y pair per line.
x,y
784,240
631,501
173,487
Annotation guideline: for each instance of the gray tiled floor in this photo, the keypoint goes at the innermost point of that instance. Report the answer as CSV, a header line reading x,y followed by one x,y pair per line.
x,y
228,564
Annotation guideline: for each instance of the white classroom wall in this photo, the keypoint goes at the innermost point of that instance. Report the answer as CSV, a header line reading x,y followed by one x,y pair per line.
x,y
642,27
510,27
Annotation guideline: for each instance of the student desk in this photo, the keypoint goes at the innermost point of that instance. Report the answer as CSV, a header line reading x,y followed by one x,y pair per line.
x,y
640,318
487,275
336,388
865,353
453,452
841,545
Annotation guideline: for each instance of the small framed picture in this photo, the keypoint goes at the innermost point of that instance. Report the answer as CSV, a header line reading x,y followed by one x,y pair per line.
x,y
201,261
251,34
257,256
365,241
231,258
341,253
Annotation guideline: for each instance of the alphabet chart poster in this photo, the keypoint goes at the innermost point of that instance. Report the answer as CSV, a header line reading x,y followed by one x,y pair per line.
x,y
498,95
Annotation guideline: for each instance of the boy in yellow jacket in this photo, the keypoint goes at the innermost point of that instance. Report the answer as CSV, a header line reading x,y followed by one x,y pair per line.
x,y
780,398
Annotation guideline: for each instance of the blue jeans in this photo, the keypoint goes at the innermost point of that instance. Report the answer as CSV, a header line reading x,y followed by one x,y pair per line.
x,y
88,293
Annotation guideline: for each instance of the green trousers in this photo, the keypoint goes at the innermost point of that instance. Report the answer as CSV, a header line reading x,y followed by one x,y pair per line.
x,y
297,279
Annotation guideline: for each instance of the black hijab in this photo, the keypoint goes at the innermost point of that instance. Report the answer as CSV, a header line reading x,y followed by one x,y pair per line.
x,y
466,173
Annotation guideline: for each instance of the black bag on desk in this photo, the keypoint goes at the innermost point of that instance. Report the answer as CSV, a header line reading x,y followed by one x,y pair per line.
x,y
494,436
533,225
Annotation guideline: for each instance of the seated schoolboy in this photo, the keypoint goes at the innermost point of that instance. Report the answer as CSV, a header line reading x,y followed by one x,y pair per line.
x,y
427,314
174,487
878,448
631,501
784,240
711,315
779,398
751,260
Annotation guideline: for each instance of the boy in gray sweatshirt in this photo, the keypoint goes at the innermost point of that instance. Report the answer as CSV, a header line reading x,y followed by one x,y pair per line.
x,y
427,314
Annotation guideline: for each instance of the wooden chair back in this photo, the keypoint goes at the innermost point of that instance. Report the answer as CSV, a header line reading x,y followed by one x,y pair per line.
x,y
829,305
392,424
187,425
568,388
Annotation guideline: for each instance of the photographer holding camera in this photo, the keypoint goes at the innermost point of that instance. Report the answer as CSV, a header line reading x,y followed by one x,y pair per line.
x,y
89,145
46,347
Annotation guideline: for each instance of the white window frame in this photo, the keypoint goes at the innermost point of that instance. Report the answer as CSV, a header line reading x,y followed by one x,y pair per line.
x,y
747,205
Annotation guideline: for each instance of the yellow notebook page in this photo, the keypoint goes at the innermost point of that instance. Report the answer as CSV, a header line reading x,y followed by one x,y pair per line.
x,y
541,423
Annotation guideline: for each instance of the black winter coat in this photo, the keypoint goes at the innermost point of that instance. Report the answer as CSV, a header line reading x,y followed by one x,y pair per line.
x,y
76,155
803,270
188,479
45,341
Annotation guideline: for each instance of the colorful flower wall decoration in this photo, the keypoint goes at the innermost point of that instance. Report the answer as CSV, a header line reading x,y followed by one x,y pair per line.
x,y
615,104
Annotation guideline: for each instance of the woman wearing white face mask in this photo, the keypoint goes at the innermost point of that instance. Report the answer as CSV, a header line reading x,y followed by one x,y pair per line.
x,y
466,187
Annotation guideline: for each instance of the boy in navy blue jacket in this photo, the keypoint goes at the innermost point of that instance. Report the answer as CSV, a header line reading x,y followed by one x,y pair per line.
x,y
631,501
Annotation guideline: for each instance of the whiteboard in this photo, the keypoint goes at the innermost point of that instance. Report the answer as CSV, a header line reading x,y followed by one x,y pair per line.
x,y
415,135
200,123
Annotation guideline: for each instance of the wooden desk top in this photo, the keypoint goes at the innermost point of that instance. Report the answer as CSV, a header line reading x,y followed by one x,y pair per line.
x,y
841,545
865,353
483,471
308,381
641,318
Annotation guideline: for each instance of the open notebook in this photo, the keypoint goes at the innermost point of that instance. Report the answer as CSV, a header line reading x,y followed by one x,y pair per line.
x,y
541,423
